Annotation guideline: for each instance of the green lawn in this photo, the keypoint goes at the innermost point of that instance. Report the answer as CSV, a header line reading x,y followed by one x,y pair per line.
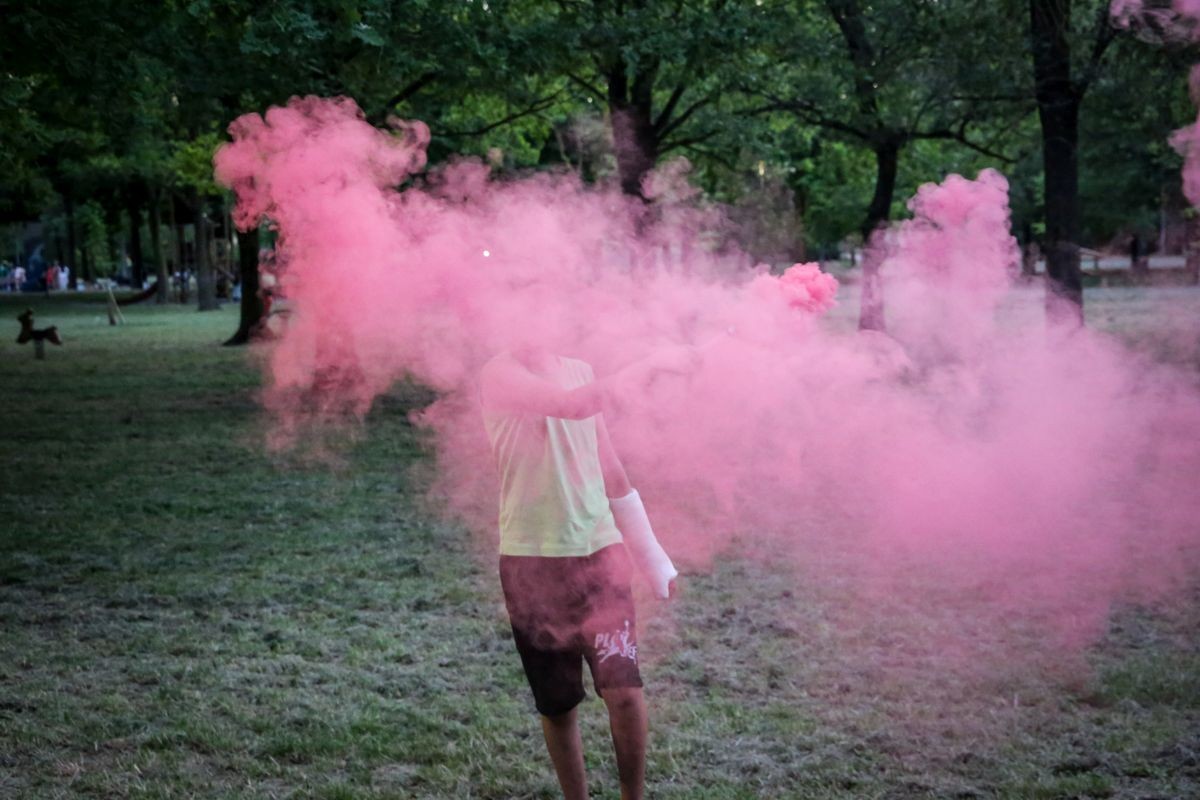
x,y
182,615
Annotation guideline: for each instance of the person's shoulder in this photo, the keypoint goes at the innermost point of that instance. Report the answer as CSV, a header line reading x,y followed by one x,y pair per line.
x,y
498,363
495,369
579,367
577,362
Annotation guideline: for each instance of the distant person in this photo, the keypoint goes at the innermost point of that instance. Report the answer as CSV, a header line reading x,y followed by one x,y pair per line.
x,y
5,275
50,278
1138,262
64,277
566,505
18,278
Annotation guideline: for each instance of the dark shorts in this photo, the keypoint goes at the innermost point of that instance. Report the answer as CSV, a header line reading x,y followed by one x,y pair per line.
x,y
565,610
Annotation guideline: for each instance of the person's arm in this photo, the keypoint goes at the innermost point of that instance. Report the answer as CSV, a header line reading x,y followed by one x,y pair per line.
x,y
507,386
630,515
616,482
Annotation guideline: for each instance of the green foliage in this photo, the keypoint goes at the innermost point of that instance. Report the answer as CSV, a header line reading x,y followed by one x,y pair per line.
x,y
1128,169
192,163
106,100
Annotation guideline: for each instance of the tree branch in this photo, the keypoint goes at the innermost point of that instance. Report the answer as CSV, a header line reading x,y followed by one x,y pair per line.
x,y
538,106
1106,34
669,108
666,147
848,16
413,86
960,136
808,112
717,157
589,87
674,124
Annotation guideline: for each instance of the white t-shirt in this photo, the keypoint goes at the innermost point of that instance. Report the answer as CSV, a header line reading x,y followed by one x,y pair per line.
x,y
552,498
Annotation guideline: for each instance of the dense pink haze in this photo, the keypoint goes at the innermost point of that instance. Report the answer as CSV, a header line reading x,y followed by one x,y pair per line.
x,y
1045,474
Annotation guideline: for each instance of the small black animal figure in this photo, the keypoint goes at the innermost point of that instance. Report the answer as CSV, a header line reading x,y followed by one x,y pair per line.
x,y
38,337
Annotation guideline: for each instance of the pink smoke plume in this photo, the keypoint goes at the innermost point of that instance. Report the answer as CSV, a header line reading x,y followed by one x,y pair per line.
x,y
801,286
1159,19
1047,475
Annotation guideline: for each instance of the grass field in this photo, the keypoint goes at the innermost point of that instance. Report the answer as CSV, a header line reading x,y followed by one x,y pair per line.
x,y
183,616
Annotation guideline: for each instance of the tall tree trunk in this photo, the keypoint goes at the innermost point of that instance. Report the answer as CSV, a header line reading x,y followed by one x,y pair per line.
x,y
163,295
137,267
887,161
252,305
114,239
206,278
635,141
179,242
1058,102
72,245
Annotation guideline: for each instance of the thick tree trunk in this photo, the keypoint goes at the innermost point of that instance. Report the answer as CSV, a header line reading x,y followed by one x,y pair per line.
x,y
206,277
635,141
1058,102
887,160
252,305
137,267
163,295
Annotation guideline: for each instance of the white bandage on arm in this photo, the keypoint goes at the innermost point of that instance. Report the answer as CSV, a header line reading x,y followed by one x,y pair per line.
x,y
645,550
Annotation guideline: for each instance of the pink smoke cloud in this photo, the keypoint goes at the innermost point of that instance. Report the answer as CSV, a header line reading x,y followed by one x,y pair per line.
x,y
801,286
1047,474
1176,20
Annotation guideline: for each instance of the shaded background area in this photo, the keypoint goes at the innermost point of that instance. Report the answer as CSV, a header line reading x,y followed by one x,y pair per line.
x,y
810,121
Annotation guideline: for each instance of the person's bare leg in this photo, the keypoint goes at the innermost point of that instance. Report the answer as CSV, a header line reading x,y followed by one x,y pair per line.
x,y
566,752
627,721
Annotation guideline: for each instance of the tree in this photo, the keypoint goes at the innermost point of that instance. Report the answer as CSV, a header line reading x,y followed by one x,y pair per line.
x,y
1059,88
661,69
883,76
64,56
390,57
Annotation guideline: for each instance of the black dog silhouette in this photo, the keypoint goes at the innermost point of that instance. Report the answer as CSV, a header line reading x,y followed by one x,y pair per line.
x,y
28,333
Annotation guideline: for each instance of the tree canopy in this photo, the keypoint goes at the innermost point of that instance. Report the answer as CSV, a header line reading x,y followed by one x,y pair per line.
x,y
839,107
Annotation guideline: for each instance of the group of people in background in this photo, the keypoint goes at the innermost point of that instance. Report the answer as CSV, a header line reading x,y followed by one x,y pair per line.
x,y
56,277
11,277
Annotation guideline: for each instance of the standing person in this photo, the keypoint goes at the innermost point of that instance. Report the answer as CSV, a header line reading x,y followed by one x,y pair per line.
x,y
18,278
566,505
51,277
